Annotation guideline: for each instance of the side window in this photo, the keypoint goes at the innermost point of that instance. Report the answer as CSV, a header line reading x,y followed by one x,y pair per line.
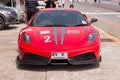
x,y
34,22
37,19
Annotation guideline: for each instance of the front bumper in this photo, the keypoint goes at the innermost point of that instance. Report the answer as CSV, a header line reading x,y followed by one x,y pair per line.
x,y
35,56
11,19
20,17
32,59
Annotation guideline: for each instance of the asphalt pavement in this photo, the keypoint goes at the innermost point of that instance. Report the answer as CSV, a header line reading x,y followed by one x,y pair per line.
x,y
108,4
108,69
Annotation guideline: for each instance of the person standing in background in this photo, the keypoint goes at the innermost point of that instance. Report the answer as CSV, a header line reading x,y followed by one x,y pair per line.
x,y
63,3
50,3
95,1
119,2
22,6
30,8
71,3
59,3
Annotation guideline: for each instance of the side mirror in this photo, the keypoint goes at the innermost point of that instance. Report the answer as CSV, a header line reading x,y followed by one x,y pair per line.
x,y
93,20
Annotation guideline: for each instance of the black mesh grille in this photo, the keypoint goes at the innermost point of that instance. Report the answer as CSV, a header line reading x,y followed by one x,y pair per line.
x,y
35,59
83,57
59,61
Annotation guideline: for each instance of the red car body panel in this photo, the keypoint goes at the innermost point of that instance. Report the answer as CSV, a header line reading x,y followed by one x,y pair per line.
x,y
72,41
44,41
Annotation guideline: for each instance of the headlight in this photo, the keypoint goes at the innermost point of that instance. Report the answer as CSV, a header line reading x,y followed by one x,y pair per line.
x,y
92,37
7,12
26,38
22,12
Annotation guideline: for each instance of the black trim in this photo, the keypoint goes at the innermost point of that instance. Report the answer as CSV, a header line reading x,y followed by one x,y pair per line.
x,y
32,59
86,58
46,61
94,61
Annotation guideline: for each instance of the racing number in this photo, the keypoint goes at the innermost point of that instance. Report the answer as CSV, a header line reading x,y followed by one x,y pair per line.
x,y
47,39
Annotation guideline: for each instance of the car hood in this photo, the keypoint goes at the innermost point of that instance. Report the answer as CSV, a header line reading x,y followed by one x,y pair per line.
x,y
12,8
6,8
60,37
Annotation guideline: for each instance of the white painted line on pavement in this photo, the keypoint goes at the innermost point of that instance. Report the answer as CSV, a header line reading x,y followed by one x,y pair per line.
x,y
102,13
97,10
114,39
118,16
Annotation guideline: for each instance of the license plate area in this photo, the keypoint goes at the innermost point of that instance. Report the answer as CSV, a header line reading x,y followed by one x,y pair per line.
x,y
59,55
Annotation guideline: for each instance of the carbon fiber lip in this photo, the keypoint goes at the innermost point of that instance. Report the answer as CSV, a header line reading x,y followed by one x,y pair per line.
x,y
19,62
93,61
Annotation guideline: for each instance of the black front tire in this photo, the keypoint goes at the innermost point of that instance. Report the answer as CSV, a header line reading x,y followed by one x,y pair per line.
x,y
6,25
2,24
18,64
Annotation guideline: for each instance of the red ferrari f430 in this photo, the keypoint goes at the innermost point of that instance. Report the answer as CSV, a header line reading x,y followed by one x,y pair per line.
x,y
59,36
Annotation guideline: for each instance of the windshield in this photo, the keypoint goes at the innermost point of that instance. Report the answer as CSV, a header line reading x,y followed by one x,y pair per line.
x,y
1,4
59,18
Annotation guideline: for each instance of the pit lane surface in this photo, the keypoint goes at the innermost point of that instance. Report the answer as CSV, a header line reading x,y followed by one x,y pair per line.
x,y
108,20
108,69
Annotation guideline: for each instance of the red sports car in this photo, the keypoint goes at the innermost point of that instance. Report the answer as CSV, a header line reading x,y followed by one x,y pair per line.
x,y
55,36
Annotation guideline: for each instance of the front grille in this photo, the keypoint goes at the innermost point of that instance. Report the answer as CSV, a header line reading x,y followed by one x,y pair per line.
x,y
59,61
83,57
13,12
13,16
13,19
35,59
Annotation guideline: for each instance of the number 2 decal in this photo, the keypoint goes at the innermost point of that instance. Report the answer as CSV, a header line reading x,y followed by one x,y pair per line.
x,y
47,39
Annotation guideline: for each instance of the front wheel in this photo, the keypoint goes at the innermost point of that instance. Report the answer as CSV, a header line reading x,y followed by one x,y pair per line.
x,y
2,24
6,26
18,64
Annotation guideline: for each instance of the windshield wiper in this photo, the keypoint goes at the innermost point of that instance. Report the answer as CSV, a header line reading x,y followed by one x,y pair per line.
x,y
80,25
54,25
